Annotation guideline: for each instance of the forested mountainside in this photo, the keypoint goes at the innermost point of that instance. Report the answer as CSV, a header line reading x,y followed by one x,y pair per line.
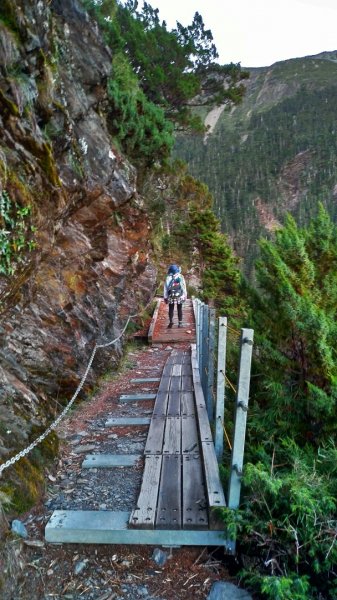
x,y
274,153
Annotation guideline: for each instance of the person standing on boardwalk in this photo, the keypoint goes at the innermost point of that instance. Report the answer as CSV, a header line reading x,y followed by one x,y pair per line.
x,y
175,293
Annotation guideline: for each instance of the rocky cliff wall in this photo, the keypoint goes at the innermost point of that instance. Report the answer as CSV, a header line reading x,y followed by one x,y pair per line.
x,y
92,259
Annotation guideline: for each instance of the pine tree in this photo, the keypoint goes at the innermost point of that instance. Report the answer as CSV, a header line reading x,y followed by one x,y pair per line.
x,y
296,319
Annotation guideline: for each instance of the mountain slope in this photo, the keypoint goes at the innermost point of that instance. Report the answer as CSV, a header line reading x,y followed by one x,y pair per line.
x,y
276,152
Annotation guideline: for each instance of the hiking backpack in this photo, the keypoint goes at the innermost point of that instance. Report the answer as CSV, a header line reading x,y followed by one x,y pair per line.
x,y
174,288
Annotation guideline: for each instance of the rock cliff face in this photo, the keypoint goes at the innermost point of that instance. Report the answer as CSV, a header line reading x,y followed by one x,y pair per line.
x,y
89,269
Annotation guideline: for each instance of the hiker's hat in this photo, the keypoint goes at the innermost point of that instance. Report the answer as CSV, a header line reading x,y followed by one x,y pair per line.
x,y
173,269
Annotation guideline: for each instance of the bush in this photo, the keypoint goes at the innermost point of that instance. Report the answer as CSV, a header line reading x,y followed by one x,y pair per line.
x,y
140,126
16,234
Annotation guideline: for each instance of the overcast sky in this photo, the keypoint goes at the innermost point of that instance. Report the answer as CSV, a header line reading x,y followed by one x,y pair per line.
x,y
258,33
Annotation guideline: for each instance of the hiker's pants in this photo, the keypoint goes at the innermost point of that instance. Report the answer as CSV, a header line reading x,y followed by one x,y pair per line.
x,y
179,309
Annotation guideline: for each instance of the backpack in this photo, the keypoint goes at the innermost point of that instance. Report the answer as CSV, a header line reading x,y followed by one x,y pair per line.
x,y
174,288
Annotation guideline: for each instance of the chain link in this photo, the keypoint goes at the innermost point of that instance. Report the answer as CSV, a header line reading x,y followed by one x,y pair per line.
x,y
43,436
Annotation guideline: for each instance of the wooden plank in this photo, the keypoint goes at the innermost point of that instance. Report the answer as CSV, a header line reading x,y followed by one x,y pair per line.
x,y
169,498
186,358
173,405
187,405
178,356
189,435
198,391
155,436
186,368
176,370
160,405
205,432
170,360
175,384
194,509
187,383
172,436
167,370
174,357
143,517
164,384
193,354
215,494
203,421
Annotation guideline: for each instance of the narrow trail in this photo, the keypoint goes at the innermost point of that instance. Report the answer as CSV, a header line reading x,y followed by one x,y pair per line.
x,y
41,571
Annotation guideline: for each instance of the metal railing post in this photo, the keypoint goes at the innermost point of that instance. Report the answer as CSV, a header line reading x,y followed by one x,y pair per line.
x,y
204,362
210,367
200,328
242,397
220,387
197,328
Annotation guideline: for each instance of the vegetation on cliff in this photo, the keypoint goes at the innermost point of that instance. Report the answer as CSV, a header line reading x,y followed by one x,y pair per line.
x,y
187,231
156,75
16,234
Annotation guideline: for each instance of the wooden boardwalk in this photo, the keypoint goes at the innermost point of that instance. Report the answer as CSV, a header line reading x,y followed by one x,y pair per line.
x,y
180,485
181,482
160,334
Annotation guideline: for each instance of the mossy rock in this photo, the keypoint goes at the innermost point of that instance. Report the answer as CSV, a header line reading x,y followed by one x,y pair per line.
x,y
47,449
47,163
8,15
24,487
44,154
25,484
8,106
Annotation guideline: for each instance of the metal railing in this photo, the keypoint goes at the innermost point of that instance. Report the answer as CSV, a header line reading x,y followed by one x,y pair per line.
x,y
211,348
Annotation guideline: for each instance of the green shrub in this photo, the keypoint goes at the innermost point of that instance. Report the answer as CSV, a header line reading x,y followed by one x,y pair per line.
x,y
16,234
139,125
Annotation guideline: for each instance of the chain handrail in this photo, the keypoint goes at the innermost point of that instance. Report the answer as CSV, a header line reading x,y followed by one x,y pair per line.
x,y
22,453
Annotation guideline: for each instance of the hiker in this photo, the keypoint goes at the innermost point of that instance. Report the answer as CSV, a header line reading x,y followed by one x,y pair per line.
x,y
175,293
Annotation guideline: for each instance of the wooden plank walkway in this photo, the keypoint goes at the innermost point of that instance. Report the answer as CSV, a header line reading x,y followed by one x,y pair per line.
x,y
181,485
160,334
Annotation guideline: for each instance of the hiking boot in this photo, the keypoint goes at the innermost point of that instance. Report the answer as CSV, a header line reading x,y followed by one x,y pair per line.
x,y
180,324
170,325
